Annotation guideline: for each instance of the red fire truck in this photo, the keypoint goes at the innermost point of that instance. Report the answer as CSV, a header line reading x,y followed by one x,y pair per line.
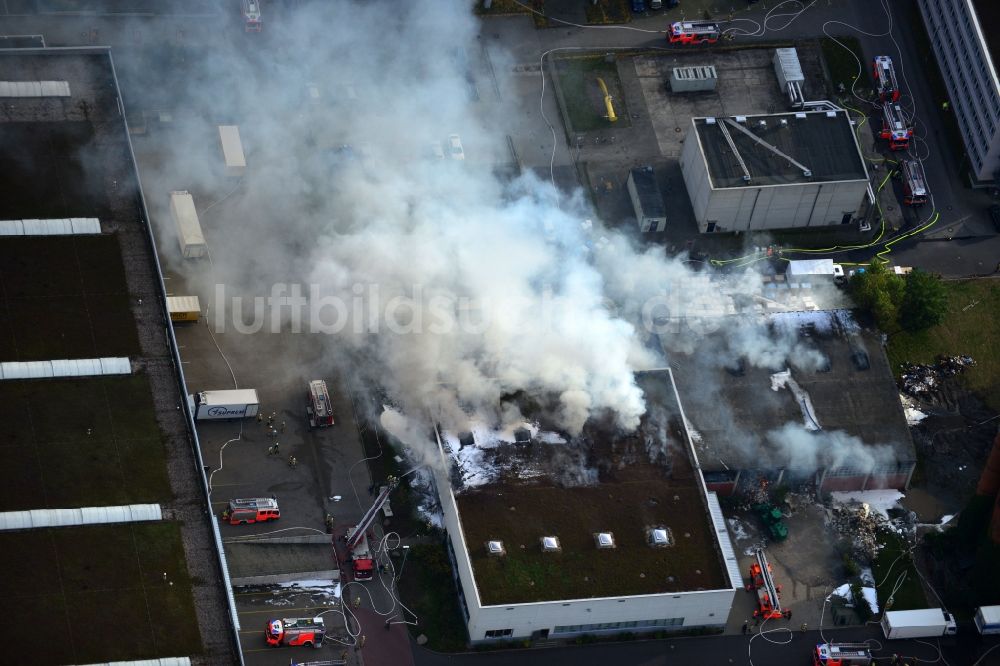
x,y
895,128
914,184
318,407
768,593
251,16
885,79
307,631
694,32
255,510
842,654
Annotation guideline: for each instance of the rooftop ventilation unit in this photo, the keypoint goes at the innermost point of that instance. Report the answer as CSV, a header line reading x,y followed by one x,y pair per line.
x,y
800,116
784,122
740,119
709,121
660,537
495,548
604,539
550,544
831,114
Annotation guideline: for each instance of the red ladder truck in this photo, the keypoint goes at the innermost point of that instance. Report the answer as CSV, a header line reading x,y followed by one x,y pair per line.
x,y
253,510
694,32
842,654
362,563
768,594
915,191
895,128
885,79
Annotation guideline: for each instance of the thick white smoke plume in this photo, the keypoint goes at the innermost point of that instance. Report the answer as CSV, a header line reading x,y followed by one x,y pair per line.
x,y
458,287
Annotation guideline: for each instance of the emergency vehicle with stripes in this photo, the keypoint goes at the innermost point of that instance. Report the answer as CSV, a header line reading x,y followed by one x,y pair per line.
x,y
252,510
694,32
885,79
895,127
915,191
307,631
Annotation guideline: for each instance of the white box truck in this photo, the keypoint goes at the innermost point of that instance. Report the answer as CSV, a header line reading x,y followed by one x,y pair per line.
x,y
988,620
232,150
231,404
188,227
922,623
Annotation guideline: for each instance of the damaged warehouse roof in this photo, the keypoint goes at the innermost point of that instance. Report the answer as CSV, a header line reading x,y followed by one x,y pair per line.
x,y
851,392
644,481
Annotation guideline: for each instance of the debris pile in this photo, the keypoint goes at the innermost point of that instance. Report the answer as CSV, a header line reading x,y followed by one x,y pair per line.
x,y
920,380
861,525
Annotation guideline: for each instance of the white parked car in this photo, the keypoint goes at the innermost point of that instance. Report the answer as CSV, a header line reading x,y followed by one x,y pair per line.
x,y
455,147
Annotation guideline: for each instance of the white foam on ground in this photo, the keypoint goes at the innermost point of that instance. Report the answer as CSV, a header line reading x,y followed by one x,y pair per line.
x,y
877,500
870,595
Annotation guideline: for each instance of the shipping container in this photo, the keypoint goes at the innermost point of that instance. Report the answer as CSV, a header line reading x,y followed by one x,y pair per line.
x,y
232,150
183,308
188,227
228,404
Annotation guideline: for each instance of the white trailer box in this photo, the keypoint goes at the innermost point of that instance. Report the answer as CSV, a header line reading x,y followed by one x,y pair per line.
x,y
183,308
231,404
923,623
188,227
988,620
232,150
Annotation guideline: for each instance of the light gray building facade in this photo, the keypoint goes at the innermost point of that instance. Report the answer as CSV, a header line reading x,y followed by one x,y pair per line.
x,y
962,33
776,171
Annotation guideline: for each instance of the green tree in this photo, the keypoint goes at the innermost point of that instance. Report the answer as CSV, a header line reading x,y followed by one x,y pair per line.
x,y
925,302
880,292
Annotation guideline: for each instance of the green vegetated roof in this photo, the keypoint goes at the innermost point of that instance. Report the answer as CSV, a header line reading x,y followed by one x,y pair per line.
x,y
519,515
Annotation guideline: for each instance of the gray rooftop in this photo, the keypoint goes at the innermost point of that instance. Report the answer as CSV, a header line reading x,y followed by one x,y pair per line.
x,y
821,141
649,194
729,409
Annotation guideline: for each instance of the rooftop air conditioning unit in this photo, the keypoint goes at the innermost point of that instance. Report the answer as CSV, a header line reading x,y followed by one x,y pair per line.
x,y
709,121
831,114
800,116
740,119
550,544
604,540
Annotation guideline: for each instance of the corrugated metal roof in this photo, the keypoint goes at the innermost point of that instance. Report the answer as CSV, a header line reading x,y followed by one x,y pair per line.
x,y
789,62
34,89
66,226
725,543
80,367
166,661
96,515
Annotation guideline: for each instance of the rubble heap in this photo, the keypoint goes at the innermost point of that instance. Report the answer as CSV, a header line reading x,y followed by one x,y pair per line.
x,y
920,380
861,525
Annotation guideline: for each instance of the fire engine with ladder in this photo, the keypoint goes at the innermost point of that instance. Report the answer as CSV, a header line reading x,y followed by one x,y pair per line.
x,y
251,15
362,563
252,510
914,183
895,128
842,654
694,32
308,631
885,79
319,409
768,593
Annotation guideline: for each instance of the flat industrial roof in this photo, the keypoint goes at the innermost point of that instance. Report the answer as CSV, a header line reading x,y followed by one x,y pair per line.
x,y
635,490
116,439
823,142
649,194
731,413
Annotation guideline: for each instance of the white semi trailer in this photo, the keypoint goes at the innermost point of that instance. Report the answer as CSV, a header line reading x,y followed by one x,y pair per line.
x,y
922,623
232,150
188,227
230,404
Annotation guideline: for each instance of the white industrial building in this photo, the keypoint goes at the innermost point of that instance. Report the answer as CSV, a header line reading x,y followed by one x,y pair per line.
x,y
775,171
684,577
963,33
